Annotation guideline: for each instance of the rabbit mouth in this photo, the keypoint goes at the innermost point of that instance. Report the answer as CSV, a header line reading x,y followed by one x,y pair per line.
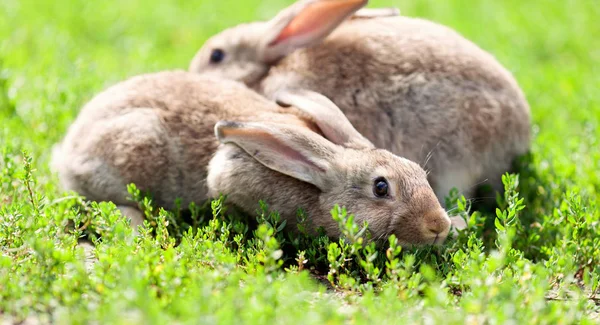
x,y
439,239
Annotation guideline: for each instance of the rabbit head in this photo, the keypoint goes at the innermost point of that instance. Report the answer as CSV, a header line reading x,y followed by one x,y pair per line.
x,y
246,52
294,166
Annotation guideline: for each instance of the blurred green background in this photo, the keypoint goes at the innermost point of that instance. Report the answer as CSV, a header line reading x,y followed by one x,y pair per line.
x,y
56,54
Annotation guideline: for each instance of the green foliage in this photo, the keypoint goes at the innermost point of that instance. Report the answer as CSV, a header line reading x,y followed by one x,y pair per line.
x,y
534,260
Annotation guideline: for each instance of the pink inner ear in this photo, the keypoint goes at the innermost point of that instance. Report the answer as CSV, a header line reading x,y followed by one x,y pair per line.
x,y
297,29
316,20
290,153
267,140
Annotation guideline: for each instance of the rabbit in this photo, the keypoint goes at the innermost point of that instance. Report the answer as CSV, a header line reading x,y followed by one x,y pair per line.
x,y
182,135
411,86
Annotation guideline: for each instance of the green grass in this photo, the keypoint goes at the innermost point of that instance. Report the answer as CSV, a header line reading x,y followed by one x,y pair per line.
x,y
537,264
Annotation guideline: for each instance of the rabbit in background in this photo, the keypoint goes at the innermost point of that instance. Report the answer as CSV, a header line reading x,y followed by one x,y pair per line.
x,y
158,131
411,86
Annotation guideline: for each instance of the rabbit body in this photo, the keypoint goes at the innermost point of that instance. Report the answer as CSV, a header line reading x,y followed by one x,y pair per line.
x,y
411,86
156,131
421,91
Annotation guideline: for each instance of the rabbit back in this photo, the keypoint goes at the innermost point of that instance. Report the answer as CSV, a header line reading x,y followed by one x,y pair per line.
x,y
154,130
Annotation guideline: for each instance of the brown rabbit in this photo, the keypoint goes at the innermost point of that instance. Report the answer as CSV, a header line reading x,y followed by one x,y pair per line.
x,y
157,131
409,85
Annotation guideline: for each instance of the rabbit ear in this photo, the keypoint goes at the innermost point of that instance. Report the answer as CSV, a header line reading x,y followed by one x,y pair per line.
x,y
292,151
331,120
368,13
305,23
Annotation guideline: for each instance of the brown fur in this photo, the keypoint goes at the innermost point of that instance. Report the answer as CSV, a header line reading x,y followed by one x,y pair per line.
x,y
411,86
157,130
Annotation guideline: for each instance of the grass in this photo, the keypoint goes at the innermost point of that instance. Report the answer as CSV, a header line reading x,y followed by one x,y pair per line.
x,y
537,262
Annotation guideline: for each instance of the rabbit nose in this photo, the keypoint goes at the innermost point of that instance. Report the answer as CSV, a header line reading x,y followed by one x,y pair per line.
x,y
437,222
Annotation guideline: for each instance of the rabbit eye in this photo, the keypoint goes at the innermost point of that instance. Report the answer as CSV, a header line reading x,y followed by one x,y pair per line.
x,y
381,187
216,56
